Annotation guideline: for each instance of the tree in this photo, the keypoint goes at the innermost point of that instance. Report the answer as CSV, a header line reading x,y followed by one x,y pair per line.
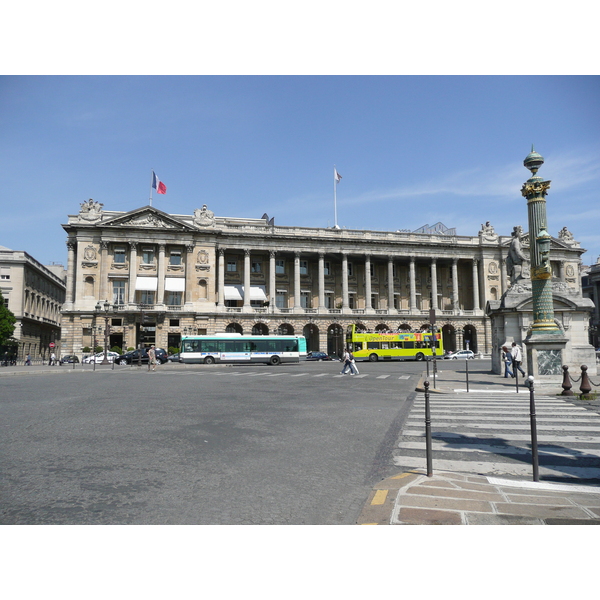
x,y
7,322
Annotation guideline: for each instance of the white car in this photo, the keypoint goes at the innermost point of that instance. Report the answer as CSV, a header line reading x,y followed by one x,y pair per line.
x,y
466,354
98,358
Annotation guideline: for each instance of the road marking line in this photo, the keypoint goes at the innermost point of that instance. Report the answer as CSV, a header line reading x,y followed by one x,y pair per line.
x,y
379,497
382,376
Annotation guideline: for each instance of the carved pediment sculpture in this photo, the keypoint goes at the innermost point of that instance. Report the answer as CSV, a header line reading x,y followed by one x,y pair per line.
x,y
204,217
91,211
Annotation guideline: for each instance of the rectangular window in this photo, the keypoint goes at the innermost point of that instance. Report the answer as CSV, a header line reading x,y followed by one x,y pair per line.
x,y
327,268
145,297
256,267
350,269
119,292
374,302
173,322
174,298
116,322
329,298
305,299
148,256
280,267
5,273
119,256
372,268
232,266
303,267
280,300
351,302
175,258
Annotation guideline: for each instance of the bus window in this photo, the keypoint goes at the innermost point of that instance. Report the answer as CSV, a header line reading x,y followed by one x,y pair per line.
x,y
358,346
409,345
372,345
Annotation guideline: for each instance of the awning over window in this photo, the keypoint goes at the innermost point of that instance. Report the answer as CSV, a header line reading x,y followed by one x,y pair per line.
x,y
257,292
146,284
175,284
236,292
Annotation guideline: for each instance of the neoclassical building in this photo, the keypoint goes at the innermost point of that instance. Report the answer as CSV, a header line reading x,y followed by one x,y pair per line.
x,y
163,275
34,293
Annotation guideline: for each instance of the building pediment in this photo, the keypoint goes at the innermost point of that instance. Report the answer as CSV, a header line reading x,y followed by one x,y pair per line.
x,y
147,217
555,244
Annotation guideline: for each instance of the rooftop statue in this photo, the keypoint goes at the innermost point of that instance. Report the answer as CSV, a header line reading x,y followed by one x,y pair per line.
x,y
516,258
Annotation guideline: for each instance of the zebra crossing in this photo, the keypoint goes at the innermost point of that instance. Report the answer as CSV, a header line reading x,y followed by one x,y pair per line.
x,y
291,375
491,435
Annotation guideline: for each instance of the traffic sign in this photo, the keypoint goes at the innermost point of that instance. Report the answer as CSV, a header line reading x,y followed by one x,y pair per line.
x,y
51,344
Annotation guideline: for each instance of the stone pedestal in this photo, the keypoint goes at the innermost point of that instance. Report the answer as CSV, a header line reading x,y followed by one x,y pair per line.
x,y
546,354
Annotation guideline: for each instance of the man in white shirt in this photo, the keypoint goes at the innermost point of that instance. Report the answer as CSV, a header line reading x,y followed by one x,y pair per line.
x,y
517,357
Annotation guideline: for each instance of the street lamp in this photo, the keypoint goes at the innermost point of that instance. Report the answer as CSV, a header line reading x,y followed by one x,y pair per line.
x,y
106,306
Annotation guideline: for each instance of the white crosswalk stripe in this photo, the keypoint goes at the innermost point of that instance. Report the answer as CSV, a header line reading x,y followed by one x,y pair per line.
x,y
486,434
288,374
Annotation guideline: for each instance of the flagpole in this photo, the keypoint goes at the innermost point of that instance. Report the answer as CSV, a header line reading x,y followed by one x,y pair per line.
x,y
335,198
151,180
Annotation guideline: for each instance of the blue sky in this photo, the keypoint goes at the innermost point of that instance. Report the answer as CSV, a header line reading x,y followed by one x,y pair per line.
x,y
412,150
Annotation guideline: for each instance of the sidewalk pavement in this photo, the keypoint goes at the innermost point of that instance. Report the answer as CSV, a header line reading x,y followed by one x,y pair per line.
x,y
447,498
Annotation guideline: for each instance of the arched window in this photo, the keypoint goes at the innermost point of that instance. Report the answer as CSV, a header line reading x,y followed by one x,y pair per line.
x,y
260,329
234,328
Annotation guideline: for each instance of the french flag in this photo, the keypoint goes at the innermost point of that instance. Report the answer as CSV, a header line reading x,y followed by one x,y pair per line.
x,y
158,185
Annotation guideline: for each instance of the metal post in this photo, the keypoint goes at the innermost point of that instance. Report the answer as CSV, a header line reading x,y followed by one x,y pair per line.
x,y
428,431
586,386
467,373
566,383
534,444
516,374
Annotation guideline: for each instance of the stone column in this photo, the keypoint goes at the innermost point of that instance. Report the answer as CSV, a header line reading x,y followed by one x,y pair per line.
x,y
503,275
562,270
161,275
390,284
272,289
368,304
246,279
345,303
190,274
321,281
434,292
132,270
413,285
221,278
71,275
104,290
475,284
455,304
297,281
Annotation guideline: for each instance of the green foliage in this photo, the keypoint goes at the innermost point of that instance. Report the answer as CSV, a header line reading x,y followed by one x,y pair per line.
x,y
173,349
7,322
117,350
130,349
98,349
86,349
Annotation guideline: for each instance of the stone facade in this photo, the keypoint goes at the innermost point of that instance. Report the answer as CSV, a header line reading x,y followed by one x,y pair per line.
x,y
34,293
167,275
591,290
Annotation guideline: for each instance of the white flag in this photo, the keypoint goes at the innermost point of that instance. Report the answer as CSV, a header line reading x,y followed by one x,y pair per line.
x,y
336,175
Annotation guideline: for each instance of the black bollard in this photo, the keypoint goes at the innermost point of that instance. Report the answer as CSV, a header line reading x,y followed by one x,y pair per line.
x,y
566,382
586,386
428,432
467,373
534,444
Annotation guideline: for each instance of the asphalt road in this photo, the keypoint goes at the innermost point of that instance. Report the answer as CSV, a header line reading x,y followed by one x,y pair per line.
x,y
242,444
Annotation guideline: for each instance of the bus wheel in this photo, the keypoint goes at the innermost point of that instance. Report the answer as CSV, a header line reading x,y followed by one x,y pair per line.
x,y
419,356
275,360
209,360
373,357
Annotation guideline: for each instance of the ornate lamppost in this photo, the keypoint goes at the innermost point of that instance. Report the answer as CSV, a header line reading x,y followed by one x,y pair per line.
x,y
545,341
107,307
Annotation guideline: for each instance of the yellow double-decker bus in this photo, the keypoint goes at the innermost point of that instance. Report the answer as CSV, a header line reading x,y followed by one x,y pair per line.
x,y
392,345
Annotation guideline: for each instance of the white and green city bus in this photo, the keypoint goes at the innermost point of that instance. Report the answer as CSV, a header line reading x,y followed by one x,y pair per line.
x,y
238,348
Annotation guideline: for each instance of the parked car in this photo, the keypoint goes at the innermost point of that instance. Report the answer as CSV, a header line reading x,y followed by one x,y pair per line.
x,y
98,358
465,354
133,357
173,357
69,358
318,356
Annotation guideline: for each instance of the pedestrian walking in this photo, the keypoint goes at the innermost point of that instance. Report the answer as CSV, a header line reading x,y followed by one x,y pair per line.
x,y
152,359
348,363
507,358
28,360
517,356
53,359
